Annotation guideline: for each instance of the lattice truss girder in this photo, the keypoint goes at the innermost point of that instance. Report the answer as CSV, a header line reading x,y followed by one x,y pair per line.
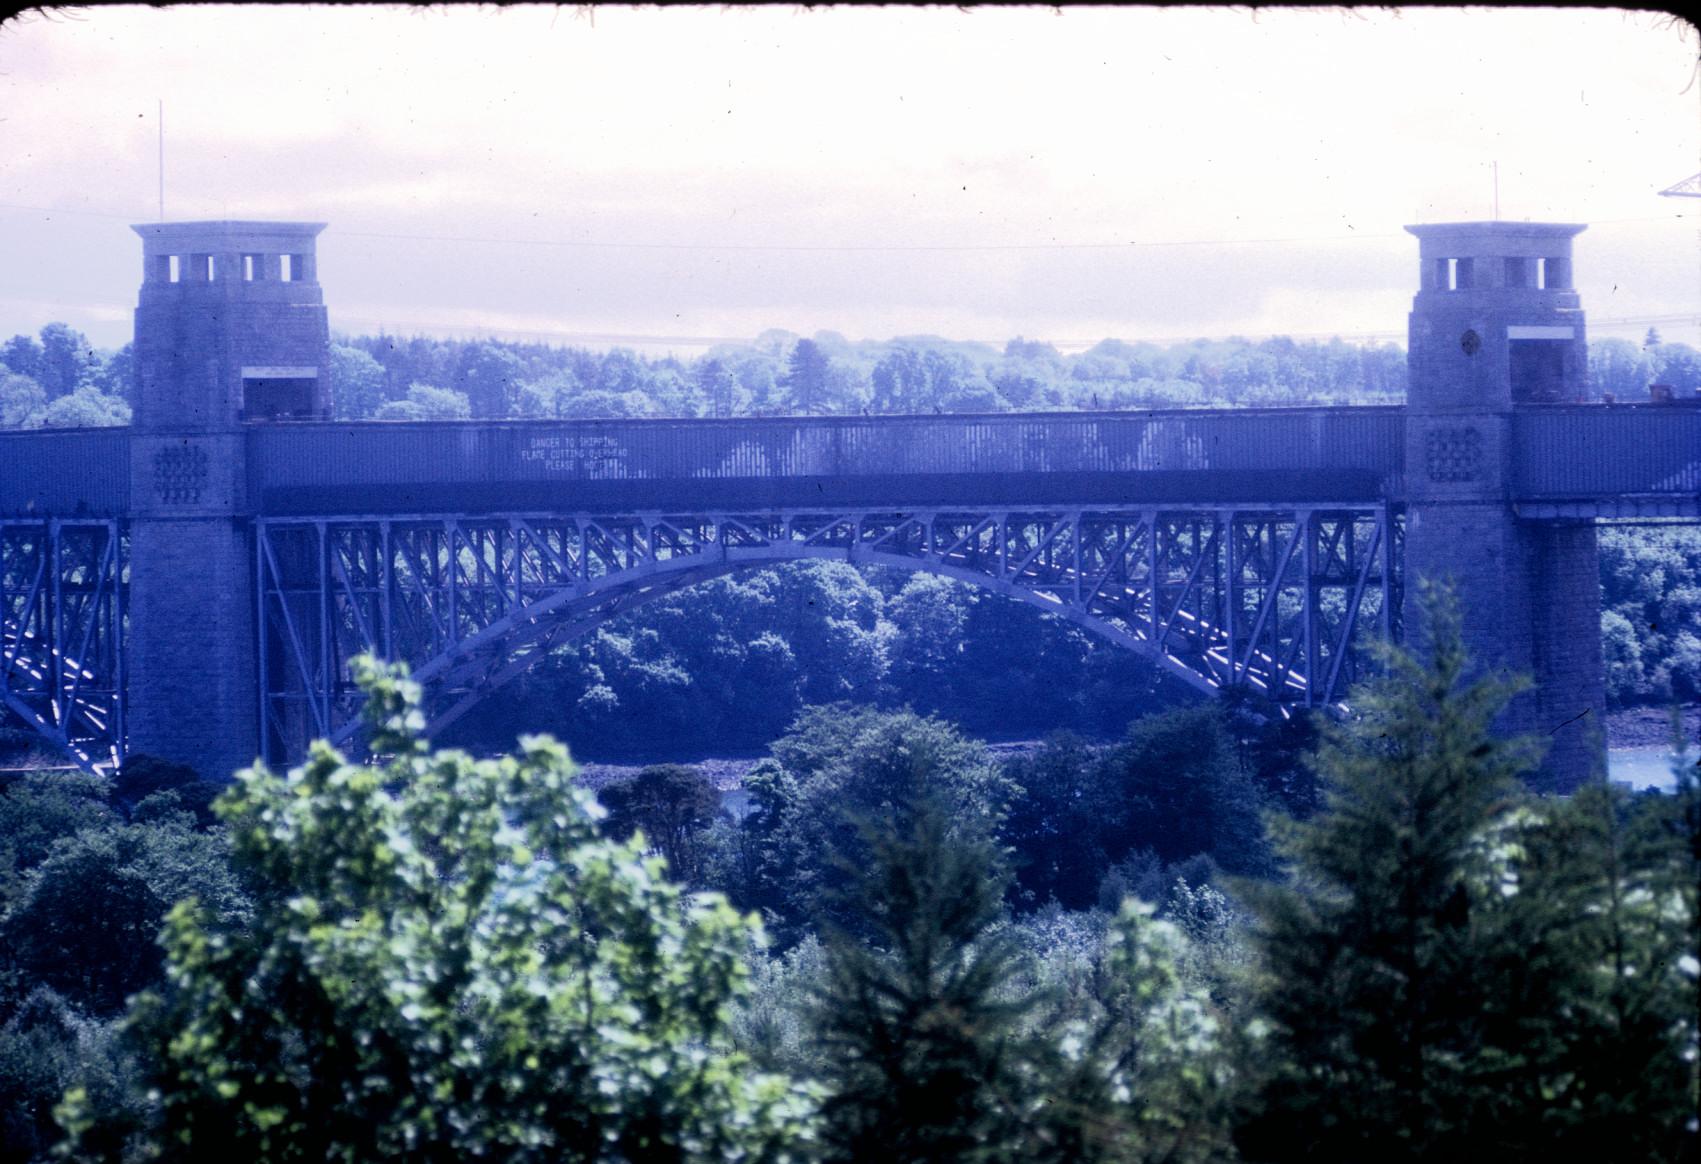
x,y
62,590
1272,599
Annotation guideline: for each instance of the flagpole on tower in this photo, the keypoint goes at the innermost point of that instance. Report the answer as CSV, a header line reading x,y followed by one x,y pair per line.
x,y
161,121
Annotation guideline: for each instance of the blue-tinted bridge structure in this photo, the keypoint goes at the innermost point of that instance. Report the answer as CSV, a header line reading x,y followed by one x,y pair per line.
x,y
193,587
1250,547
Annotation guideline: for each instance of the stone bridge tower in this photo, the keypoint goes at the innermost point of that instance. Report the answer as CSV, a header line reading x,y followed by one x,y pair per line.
x,y
230,329
1497,327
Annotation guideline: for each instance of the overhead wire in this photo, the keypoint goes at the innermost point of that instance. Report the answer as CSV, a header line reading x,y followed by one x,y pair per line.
x,y
847,248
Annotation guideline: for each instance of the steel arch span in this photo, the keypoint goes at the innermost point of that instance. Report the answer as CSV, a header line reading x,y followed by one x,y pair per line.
x,y
1276,599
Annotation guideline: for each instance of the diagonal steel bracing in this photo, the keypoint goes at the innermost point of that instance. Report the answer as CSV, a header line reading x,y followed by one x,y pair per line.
x,y
62,607
1272,599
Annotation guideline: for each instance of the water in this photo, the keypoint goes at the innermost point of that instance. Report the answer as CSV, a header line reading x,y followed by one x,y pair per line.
x,y
1644,767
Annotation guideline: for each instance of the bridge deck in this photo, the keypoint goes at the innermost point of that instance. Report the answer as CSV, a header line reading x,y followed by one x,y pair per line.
x,y
1564,456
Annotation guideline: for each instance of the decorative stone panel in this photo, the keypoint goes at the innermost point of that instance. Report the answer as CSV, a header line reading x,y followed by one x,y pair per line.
x,y
180,474
1453,454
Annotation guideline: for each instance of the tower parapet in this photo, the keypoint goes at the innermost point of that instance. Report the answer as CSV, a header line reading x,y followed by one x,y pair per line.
x,y
230,325
1496,321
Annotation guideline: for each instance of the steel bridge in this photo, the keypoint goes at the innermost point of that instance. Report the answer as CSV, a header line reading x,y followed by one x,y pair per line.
x,y
1246,548
192,588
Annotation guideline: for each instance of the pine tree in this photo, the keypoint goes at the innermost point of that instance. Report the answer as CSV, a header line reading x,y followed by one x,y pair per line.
x,y
924,1061
806,378
1590,1028
1377,952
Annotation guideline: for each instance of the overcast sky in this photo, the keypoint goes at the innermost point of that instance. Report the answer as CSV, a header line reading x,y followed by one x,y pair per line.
x,y
1064,174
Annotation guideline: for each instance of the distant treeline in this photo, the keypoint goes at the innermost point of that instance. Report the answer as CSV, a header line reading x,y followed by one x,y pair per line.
x,y
780,373
58,379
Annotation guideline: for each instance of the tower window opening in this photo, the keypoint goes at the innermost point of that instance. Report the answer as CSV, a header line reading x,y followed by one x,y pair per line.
x,y
160,269
1558,274
1463,274
277,398
1518,273
1538,370
287,270
253,268
174,268
201,268
1541,274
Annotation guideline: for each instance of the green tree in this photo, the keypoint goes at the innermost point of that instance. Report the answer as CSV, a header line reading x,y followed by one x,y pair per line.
x,y
21,401
600,403
1589,1030
489,376
1651,580
87,407
447,961
1380,953
839,764
117,374
423,402
551,395
671,804
718,386
67,360
37,810
23,355
1178,786
806,380
48,1046
1621,368
87,917
1621,658
924,1062
1678,365
1057,824
357,383
1140,1066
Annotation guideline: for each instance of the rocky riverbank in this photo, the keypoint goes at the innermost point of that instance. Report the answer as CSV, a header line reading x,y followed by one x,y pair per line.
x,y
1648,727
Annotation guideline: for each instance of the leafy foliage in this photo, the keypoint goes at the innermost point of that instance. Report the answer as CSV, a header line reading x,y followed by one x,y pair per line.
x,y
46,1047
839,764
87,917
38,809
448,961
1651,614
671,805
357,383
727,664
1139,1067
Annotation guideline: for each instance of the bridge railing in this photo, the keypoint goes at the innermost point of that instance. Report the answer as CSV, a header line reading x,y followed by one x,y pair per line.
x,y
1601,451
1367,444
65,473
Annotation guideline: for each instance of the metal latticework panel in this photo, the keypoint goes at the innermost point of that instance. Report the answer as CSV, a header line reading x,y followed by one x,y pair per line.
x,y
62,585
1275,600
